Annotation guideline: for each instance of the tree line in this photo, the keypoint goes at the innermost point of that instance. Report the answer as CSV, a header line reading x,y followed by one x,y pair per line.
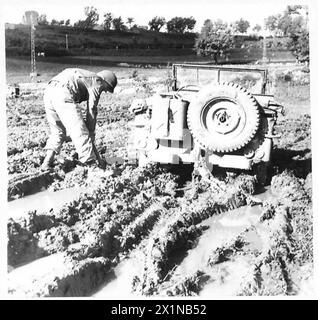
x,y
216,37
110,22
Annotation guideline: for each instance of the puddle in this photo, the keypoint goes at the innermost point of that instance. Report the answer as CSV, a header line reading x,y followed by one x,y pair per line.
x,y
42,201
31,270
222,228
119,286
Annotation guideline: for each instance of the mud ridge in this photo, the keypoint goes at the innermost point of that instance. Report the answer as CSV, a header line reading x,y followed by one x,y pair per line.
x,y
114,198
179,234
288,242
189,286
133,234
69,279
28,184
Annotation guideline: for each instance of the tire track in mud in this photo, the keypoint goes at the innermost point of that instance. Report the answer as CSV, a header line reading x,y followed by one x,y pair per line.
x,y
84,241
94,226
28,177
167,227
169,245
114,198
269,253
192,284
289,239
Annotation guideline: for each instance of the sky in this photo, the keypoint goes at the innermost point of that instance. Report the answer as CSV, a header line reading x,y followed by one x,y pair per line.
x,y
144,10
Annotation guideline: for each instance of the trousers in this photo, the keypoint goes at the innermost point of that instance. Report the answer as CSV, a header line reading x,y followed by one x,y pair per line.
x,y
65,116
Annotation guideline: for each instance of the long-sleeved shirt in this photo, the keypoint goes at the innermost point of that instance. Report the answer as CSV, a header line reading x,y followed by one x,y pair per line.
x,y
82,85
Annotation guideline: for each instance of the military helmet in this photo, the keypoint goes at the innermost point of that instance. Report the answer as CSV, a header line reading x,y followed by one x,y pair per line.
x,y
110,78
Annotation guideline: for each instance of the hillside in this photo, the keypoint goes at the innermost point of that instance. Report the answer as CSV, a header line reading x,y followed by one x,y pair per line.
x,y
115,47
52,41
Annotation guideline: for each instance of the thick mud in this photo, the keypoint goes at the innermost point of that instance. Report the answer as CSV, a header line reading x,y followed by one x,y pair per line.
x,y
133,232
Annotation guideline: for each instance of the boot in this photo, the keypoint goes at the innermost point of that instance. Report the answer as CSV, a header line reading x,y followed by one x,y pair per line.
x,y
48,160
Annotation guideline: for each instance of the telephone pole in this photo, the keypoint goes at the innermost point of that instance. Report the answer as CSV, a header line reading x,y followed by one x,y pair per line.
x,y
33,22
66,42
33,63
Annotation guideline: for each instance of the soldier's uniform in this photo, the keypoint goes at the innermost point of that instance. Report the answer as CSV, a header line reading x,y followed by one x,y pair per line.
x,y
61,98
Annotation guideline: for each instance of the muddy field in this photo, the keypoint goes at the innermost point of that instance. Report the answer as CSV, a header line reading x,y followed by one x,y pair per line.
x,y
156,231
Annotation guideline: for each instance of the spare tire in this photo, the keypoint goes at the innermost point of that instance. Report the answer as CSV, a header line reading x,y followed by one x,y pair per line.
x,y
223,117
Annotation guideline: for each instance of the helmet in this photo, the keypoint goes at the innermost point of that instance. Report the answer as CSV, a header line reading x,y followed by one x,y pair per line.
x,y
110,78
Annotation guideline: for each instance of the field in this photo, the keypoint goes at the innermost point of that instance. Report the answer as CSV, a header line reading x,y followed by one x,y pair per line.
x,y
129,232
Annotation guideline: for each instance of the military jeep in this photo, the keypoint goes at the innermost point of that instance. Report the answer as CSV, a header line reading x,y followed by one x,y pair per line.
x,y
215,115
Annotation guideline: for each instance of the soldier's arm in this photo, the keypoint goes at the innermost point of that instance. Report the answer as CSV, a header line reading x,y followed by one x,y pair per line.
x,y
91,113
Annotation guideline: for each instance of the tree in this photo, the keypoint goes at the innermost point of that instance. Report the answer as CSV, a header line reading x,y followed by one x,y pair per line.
x,y
241,26
271,23
294,9
91,17
61,22
118,24
156,23
299,45
214,40
190,23
67,22
42,20
180,25
298,32
130,20
90,22
54,22
107,23
257,28
292,24
283,24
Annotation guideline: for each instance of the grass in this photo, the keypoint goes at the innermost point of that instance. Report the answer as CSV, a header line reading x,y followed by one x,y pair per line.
x,y
295,98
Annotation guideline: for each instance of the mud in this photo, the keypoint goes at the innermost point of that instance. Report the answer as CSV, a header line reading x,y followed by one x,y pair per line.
x,y
42,201
64,278
155,231
293,149
180,233
288,245
24,185
113,201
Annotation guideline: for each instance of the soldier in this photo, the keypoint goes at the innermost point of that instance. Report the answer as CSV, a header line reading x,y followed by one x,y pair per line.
x,y
61,100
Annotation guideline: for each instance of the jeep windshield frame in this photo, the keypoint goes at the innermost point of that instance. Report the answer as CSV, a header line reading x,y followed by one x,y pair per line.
x,y
219,70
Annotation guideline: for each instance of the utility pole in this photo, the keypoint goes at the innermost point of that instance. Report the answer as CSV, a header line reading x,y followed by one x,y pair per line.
x,y
31,18
66,42
33,63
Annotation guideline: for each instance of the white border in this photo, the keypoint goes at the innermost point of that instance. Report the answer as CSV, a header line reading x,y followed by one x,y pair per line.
x,y
313,18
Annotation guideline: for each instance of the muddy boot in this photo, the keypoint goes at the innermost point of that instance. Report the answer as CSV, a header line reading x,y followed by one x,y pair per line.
x,y
48,161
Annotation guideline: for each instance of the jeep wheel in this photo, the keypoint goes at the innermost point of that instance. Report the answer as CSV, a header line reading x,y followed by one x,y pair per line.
x,y
224,117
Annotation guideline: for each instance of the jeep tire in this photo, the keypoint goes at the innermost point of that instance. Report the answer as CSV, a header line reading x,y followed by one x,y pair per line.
x,y
224,117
